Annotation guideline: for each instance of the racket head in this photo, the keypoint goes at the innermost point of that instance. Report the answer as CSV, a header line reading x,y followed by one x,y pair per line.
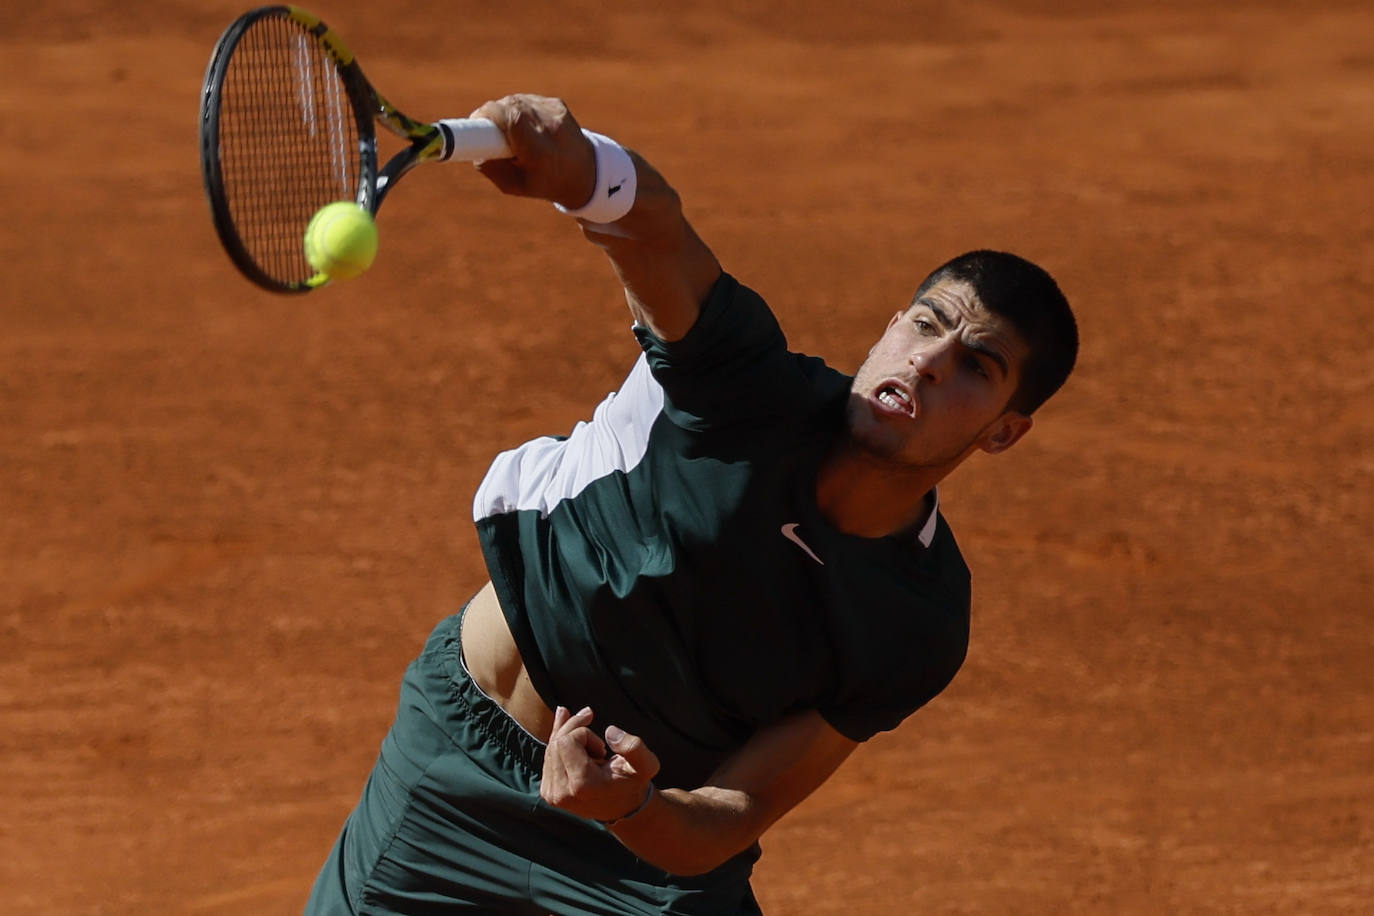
x,y
286,126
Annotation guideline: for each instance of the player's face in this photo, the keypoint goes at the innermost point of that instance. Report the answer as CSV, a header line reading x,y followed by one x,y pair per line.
x,y
936,384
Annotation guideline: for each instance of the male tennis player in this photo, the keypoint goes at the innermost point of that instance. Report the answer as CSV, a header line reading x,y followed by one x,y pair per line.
x,y
703,599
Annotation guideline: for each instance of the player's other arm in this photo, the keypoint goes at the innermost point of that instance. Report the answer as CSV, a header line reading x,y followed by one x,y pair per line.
x,y
665,267
690,832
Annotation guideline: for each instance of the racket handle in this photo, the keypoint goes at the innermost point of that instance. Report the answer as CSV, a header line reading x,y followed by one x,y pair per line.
x,y
472,140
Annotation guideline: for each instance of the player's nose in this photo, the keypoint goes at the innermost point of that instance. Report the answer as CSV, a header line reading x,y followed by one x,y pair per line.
x,y
932,362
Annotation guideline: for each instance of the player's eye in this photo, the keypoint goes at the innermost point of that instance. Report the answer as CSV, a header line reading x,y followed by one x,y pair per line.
x,y
924,327
976,365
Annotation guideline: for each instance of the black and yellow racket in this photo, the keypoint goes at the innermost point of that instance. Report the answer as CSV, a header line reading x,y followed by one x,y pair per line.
x,y
287,126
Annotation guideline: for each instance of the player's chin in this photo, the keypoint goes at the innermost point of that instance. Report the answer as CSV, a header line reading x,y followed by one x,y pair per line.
x,y
873,430
871,438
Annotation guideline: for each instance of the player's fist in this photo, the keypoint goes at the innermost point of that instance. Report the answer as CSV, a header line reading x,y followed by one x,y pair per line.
x,y
551,159
591,777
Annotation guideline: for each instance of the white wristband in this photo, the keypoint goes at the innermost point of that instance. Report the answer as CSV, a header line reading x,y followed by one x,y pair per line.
x,y
615,183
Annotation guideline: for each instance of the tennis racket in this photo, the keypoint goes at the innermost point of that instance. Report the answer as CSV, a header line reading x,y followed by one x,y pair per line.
x,y
287,125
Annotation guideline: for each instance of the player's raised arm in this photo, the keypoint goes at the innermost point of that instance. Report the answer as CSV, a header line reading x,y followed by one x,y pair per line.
x,y
623,203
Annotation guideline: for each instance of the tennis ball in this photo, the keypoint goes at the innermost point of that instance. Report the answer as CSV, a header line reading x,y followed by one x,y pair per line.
x,y
341,240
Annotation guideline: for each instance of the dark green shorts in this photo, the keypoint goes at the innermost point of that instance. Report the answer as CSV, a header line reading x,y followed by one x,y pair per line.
x,y
450,821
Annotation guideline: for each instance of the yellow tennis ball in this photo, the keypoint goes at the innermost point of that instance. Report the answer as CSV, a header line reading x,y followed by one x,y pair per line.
x,y
341,240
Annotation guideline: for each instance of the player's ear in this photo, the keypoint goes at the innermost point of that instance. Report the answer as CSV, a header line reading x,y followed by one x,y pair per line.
x,y
1004,432
895,318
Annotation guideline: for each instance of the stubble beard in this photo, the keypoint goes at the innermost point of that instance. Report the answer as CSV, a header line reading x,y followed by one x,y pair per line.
x,y
894,454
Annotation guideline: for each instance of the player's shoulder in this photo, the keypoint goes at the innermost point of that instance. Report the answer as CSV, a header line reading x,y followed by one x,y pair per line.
x,y
825,382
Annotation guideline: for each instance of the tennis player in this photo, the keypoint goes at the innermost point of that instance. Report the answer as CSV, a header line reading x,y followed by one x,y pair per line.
x,y
704,598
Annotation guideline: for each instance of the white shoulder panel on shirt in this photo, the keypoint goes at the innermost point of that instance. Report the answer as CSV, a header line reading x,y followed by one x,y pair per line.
x,y
545,471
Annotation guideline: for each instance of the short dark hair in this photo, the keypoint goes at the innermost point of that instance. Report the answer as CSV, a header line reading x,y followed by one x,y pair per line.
x,y
1027,296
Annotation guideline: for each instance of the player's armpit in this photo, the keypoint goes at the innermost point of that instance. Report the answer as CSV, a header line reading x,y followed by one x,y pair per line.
x,y
693,832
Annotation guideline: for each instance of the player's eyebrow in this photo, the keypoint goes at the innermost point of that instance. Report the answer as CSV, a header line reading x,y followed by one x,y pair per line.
x,y
940,316
948,324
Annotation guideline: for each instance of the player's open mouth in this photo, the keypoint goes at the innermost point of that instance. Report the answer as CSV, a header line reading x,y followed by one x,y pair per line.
x,y
895,399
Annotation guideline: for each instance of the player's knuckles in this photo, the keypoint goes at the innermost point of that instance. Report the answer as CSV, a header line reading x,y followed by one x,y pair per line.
x,y
564,747
555,793
494,111
549,110
535,116
565,791
573,754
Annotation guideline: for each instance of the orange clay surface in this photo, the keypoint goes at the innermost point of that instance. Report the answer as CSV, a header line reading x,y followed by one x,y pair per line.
x,y
228,519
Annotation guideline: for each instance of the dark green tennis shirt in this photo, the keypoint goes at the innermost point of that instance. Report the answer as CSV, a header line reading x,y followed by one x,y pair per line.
x,y
666,563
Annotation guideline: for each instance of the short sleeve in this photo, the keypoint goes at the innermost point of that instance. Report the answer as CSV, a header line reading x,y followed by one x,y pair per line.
x,y
733,366
912,682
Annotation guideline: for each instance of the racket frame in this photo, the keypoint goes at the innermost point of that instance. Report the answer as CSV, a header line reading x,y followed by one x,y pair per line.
x,y
427,142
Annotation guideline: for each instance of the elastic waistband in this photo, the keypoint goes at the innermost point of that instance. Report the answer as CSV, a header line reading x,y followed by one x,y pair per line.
x,y
475,708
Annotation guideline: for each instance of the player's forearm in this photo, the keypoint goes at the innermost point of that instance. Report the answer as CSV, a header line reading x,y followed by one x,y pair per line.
x,y
689,833
665,267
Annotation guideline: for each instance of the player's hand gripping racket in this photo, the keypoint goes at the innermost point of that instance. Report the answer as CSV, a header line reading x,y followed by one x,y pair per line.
x,y
287,125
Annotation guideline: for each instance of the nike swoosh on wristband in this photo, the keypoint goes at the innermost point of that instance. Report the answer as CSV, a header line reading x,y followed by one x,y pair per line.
x,y
789,531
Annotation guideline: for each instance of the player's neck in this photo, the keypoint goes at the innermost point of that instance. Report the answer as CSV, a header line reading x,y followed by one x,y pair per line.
x,y
866,497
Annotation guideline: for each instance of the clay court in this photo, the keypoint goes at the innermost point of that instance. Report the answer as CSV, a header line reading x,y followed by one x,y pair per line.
x,y
229,519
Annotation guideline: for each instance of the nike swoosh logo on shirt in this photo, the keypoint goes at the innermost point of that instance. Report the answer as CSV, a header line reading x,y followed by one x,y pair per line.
x,y
789,531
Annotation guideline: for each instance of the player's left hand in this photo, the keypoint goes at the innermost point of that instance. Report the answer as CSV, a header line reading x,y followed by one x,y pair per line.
x,y
591,776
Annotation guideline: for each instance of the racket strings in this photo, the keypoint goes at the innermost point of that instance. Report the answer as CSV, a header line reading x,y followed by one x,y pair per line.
x,y
288,142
